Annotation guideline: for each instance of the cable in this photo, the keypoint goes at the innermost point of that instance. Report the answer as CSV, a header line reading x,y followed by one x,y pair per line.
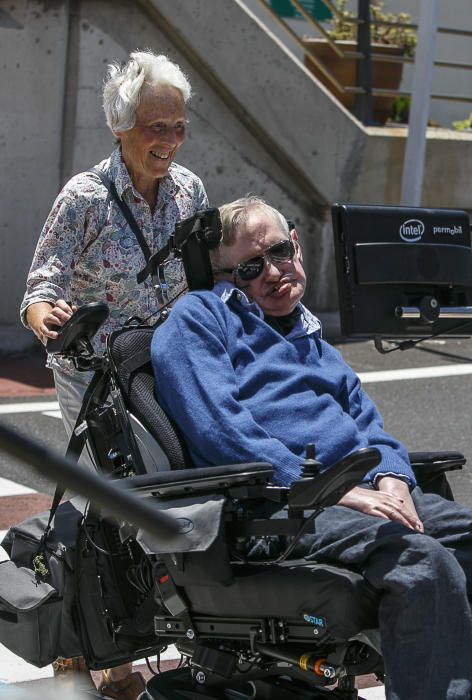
x,y
164,307
407,344
183,661
89,538
148,664
296,538
289,549
140,576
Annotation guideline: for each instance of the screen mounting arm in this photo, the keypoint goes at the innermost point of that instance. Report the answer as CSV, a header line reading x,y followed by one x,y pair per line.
x,y
413,312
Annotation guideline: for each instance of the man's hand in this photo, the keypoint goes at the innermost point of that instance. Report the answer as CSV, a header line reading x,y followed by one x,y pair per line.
x,y
44,318
392,501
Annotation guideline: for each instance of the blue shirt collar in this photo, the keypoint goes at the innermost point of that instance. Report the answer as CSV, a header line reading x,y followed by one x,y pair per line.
x,y
308,324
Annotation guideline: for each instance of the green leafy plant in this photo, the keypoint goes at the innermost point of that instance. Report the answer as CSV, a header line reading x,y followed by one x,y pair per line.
x,y
403,37
463,125
400,110
400,113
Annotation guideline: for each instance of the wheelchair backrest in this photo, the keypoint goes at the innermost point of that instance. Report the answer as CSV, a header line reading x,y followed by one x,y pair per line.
x,y
130,355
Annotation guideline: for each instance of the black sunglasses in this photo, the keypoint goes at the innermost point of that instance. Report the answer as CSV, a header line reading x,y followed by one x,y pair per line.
x,y
250,269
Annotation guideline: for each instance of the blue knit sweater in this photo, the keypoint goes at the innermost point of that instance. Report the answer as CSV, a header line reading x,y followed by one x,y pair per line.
x,y
241,392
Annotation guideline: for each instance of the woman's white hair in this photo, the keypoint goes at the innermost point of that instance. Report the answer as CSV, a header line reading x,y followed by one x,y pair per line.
x,y
124,84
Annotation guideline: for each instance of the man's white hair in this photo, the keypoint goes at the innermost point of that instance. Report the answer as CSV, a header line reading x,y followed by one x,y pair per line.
x,y
124,84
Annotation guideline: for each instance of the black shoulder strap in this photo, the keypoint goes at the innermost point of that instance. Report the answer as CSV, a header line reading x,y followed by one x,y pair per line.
x,y
75,446
152,260
126,211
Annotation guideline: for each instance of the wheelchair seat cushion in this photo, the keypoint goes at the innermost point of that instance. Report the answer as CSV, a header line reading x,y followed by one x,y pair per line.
x,y
341,597
130,352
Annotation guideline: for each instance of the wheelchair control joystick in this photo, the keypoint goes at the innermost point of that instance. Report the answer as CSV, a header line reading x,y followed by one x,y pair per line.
x,y
311,466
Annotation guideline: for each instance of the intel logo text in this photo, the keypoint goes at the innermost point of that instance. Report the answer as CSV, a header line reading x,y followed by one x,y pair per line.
x,y
411,230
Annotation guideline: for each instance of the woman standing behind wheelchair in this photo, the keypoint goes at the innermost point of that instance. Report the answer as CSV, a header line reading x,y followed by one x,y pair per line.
x,y
87,251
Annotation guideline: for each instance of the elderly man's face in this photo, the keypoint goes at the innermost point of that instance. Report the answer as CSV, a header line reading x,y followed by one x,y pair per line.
x,y
280,285
150,146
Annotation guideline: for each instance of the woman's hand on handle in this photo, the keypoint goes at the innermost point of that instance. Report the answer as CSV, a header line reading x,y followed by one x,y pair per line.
x,y
44,318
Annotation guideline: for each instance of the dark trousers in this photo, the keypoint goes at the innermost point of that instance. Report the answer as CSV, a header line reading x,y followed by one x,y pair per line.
x,y
424,579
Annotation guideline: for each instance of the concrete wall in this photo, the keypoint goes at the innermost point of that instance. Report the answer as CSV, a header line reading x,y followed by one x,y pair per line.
x,y
33,44
259,122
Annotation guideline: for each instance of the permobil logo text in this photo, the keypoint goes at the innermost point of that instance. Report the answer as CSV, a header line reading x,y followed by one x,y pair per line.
x,y
449,230
411,230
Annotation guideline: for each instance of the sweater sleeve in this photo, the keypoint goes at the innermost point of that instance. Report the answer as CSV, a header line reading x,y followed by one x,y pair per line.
x,y
197,386
394,460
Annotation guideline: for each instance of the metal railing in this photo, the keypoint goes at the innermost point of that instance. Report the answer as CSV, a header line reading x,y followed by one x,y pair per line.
x,y
365,56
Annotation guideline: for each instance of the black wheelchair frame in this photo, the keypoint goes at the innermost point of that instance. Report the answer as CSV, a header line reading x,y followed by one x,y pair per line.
x,y
231,655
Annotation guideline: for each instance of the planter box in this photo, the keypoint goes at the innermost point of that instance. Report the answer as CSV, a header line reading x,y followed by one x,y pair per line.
x,y
385,75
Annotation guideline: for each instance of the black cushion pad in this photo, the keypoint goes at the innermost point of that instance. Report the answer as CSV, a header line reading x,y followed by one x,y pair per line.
x,y
340,596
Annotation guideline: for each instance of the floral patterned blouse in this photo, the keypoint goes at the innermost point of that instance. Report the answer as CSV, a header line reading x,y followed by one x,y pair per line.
x,y
87,251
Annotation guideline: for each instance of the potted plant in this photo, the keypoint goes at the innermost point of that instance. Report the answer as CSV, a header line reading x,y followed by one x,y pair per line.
x,y
400,112
464,125
390,39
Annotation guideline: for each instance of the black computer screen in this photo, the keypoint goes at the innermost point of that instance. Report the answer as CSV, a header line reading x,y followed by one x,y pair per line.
x,y
391,261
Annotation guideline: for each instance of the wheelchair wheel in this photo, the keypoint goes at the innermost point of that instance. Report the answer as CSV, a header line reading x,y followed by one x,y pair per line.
x,y
180,684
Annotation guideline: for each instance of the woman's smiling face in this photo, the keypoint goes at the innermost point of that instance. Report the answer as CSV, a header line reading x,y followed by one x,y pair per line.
x,y
150,146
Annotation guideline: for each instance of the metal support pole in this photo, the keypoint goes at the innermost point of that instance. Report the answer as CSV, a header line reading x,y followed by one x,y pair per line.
x,y
413,164
100,491
363,103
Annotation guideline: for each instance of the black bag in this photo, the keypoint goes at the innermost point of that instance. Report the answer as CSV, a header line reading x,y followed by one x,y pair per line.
x,y
115,596
86,595
37,611
75,589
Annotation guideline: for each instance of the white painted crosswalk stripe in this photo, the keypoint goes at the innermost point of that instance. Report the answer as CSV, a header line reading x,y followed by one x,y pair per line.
x,y
433,372
11,488
377,693
14,670
28,407
3,554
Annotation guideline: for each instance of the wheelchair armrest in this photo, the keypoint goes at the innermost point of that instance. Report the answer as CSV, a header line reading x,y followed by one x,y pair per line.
x,y
436,462
328,487
183,482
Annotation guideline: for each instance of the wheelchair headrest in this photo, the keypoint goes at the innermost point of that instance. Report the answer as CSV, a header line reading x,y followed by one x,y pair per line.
x,y
193,238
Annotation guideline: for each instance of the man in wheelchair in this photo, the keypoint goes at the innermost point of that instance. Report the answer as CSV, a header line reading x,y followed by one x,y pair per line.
x,y
260,384
276,580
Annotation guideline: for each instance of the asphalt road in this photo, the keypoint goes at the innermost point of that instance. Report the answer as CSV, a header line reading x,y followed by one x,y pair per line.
x,y
37,426
426,414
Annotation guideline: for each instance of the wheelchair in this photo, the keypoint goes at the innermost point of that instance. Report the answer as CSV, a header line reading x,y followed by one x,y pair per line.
x,y
275,629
